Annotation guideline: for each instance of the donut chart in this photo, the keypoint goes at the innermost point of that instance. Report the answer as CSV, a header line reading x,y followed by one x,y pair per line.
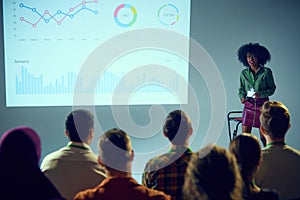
x,y
168,14
125,15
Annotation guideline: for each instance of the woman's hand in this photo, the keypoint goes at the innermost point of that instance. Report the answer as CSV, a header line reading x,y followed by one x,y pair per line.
x,y
243,100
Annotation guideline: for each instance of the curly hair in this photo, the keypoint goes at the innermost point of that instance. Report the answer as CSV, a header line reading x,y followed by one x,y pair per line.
x,y
262,53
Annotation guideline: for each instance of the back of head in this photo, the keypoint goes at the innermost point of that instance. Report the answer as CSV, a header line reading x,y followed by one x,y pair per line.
x,y
20,145
78,124
212,174
20,150
246,149
114,149
177,127
275,119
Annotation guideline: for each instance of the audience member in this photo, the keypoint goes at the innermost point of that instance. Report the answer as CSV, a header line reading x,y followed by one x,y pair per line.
x,y
247,151
166,172
20,175
116,156
280,164
75,167
212,174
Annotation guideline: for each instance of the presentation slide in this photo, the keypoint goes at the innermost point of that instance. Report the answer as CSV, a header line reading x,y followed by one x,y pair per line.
x,y
48,45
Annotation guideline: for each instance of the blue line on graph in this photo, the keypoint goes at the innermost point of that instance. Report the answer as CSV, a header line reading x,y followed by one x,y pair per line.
x,y
70,13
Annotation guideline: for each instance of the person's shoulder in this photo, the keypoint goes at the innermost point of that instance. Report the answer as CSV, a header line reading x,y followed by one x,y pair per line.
x,y
266,194
280,153
149,193
171,157
54,154
245,70
89,194
84,195
267,69
270,194
292,150
90,155
155,194
285,148
160,161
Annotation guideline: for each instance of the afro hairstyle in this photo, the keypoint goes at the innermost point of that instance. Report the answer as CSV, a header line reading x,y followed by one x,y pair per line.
x,y
261,52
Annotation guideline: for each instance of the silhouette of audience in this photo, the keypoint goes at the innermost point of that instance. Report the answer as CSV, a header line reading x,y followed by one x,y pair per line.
x,y
212,174
166,172
246,149
116,156
280,164
20,175
75,167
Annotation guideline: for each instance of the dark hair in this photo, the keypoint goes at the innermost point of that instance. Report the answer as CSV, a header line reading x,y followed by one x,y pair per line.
x,y
214,176
79,124
275,118
18,147
240,148
114,149
177,127
246,149
262,53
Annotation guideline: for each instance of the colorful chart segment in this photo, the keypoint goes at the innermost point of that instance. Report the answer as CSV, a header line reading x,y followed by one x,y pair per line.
x,y
47,16
168,14
122,20
125,15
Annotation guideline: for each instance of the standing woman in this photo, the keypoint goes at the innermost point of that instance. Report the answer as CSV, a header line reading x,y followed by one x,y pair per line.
x,y
256,83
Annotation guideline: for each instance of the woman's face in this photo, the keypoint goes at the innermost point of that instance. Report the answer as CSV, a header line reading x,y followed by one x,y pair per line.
x,y
252,60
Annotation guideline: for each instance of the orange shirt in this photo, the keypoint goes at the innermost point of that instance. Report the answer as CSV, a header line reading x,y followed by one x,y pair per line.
x,y
121,188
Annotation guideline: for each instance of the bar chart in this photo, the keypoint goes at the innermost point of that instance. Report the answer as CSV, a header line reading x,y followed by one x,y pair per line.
x,y
30,84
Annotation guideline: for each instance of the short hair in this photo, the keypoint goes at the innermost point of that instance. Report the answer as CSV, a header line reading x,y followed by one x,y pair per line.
x,y
114,149
212,177
177,127
79,124
275,118
262,53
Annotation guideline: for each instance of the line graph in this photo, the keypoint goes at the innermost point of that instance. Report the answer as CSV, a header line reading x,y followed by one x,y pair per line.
x,y
47,16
